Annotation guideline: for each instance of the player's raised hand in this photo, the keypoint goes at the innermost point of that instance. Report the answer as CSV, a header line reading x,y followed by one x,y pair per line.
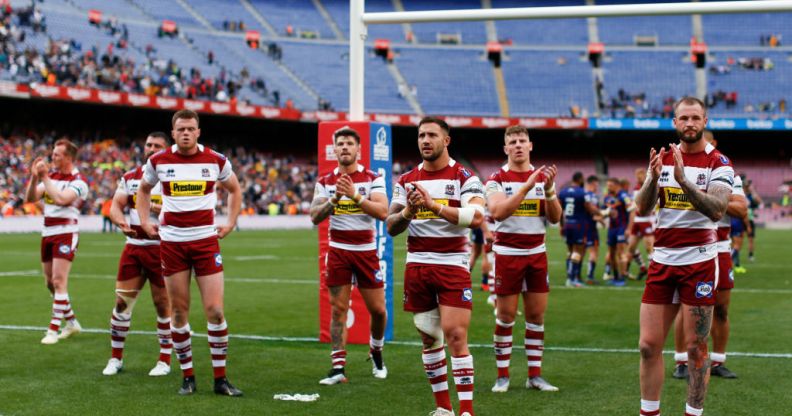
x,y
550,173
41,168
656,162
33,165
679,164
531,181
425,197
345,187
414,199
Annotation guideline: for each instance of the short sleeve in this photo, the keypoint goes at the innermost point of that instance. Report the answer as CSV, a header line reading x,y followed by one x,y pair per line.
x,y
738,187
150,173
378,186
80,187
320,191
122,186
399,193
225,170
493,185
472,188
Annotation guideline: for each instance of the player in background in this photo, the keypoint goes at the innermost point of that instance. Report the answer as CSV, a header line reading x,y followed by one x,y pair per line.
x,y
593,216
436,203
739,227
521,198
754,202
619,205
353,198
737,208
641,228
140,261
189,173
692,184
479,239
574,224
64,190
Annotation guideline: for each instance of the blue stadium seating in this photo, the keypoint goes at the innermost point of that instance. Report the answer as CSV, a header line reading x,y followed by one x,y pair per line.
x,y
471,32
753,87
526,74
669,30
339,10
168,10
217,12
542,32
300,14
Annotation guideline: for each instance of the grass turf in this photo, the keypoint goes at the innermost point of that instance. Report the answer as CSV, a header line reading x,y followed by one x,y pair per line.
x,y
272,290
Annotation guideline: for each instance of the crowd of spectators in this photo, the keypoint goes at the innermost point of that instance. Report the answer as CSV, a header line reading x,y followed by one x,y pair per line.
x,y
272,185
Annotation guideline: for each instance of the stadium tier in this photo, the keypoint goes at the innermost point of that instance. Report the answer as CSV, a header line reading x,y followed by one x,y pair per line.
x,y
544,64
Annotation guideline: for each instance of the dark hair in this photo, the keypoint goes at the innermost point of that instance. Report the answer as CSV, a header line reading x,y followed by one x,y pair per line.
x,y
346,131
615,180
71,148
577,177
690,101
592,179
160,135
185,114
518,129
440,122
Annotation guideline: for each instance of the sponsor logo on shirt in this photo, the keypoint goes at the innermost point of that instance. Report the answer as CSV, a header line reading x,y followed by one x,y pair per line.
x,y
527,208
347,207
187,188
425,214
704,289
48,200
676,198
155,199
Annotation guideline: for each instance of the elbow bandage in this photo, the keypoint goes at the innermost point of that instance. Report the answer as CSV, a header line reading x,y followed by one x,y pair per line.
x,y
429,324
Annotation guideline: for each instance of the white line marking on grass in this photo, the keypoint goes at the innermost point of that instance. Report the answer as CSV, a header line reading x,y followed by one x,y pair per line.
x,y
406,343
21,273
251,258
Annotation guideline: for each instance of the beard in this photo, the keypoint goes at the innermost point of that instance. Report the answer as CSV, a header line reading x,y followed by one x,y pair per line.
x,y
432,157
683,137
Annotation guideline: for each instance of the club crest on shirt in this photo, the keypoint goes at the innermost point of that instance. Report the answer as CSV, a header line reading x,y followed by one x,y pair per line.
x,y
450,189
704,289
64,249
701,180
539,190
205,172
467,294
362,191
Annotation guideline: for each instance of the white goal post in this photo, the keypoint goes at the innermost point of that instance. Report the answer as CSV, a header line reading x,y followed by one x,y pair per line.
x,y
359,20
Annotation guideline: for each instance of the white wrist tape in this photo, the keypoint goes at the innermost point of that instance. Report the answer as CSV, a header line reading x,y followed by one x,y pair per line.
x,y
466,216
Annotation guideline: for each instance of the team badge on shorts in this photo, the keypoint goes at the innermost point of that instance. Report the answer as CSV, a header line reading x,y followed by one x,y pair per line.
x,y
704,289
731,274
404,298
218,260
467,294
64,249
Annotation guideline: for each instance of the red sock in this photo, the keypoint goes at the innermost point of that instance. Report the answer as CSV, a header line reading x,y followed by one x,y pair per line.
x,y
339,358
436,370
183,347
462,367
218,345
534,347
165,339
119,328
503,346
60,304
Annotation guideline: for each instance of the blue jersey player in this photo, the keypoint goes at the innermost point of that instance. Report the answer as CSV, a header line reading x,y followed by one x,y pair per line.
x,y
573,226
593,216
619,205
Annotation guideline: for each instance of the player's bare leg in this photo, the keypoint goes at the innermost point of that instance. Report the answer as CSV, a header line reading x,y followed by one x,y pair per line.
x,y
56,274
720,334
212,291
375,303
159,296
655,321
120,320
455,322
680,349
593,254
339,303
696,324
620,260
535,305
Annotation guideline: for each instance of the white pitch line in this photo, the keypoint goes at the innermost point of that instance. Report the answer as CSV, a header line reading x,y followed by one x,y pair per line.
x,y
26,273
406,343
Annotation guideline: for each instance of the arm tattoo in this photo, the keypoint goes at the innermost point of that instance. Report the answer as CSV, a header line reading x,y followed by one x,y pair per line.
x,y
699,359
320,209
396,222
646,199
712,203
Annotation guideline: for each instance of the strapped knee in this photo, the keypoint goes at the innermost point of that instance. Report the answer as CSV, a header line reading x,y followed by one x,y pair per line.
x,y
429,324
128,297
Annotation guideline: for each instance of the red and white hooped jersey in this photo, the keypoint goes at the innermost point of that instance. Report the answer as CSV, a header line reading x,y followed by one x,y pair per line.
x,y
684,235
62,219
128,185
431,239
350,227
523,233
188,191
724,225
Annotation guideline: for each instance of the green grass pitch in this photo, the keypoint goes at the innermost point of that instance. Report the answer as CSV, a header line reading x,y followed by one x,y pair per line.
x,y
271,291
